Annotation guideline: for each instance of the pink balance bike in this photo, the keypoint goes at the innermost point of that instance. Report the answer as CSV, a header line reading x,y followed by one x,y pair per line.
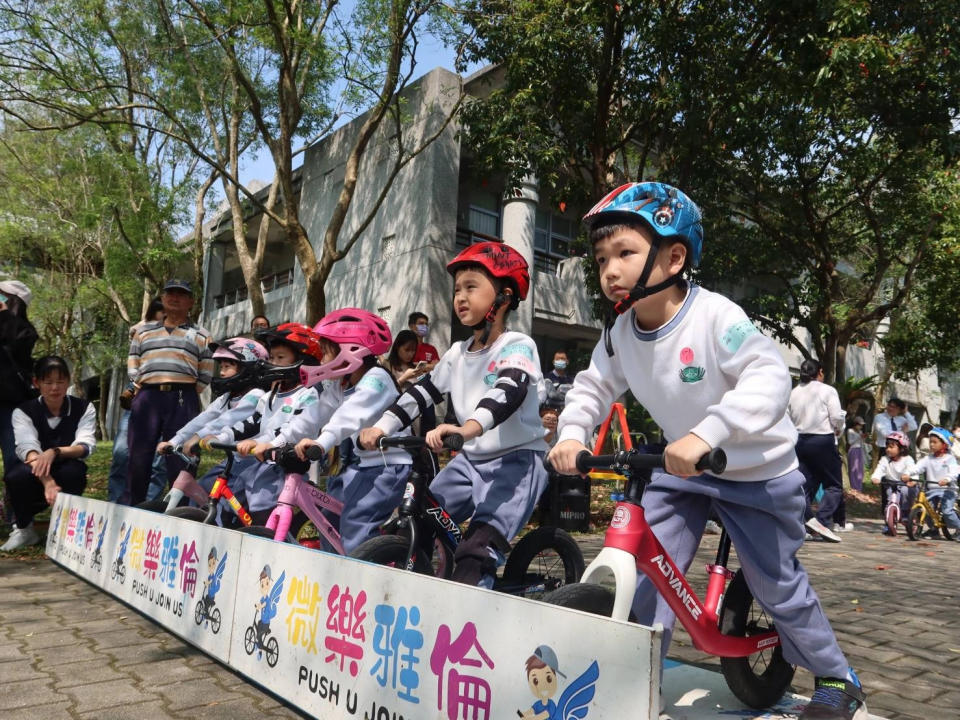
x,y
728,624
308,527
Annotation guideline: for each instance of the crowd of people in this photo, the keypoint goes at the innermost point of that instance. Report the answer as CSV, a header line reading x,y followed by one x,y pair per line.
x,y
349,381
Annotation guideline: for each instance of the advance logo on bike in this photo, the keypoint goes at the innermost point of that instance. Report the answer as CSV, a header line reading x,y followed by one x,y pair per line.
x,y
685,597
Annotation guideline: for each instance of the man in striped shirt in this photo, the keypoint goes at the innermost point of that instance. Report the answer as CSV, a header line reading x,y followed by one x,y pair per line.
x,y
170,364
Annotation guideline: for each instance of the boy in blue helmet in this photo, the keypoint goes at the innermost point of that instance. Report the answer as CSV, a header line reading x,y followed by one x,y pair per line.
x,y
709,379
940,469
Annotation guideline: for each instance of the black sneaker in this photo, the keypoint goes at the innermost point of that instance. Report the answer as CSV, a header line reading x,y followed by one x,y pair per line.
x,y
835,699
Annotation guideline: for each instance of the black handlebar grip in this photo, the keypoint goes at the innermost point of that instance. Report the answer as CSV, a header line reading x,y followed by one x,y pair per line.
x,y
228,447
314,452
453,441
715,461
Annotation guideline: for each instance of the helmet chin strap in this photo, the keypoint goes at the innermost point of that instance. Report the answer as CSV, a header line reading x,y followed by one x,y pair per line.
x,y
487,323
639,291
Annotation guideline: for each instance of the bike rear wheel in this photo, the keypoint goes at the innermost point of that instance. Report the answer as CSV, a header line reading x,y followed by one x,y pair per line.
x,y
915,522
542,561
893,518
157,506
391,551
258,530
761,679
189,513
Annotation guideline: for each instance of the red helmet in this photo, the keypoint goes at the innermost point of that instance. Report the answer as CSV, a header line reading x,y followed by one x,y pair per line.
x,y
297,336
501,261
358,334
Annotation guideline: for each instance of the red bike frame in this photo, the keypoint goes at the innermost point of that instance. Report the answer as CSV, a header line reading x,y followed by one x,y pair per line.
x,y
630,532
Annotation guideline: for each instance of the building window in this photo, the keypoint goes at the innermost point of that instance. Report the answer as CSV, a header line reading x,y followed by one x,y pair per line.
x,y
551,240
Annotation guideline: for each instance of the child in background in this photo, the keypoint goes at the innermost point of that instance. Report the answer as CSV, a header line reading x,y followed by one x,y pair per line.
x,y
356,391
710,379
941,470
855,439
493,379
290,345
54,434
236,385
895,466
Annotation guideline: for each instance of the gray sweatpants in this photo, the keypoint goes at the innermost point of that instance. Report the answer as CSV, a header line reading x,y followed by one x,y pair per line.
x,y
501,492
764,520
369,495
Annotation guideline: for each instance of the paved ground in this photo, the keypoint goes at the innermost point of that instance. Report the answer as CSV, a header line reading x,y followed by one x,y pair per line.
x,y
71,651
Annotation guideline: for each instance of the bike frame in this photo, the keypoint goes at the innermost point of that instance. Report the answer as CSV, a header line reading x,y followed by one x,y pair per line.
x,y
932,514
420,506
186,484
298,493
630,546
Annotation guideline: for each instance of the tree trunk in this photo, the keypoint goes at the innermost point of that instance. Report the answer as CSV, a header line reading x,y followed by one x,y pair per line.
x,y
102,409
248,266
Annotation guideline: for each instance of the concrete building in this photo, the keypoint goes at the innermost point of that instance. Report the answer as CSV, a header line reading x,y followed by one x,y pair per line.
x,y
437,205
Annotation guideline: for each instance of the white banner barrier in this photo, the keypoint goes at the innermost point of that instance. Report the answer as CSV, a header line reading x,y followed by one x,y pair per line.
x,y
339,638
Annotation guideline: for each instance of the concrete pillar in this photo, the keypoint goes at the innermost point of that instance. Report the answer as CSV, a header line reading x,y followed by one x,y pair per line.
x,y
519,222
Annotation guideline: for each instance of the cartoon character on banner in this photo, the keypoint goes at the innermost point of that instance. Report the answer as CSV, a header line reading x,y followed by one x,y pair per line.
x,y
542,671
206,613
97,562
265,609
119,571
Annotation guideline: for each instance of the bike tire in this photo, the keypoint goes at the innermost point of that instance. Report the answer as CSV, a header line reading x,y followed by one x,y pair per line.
x,y
258,530
272,650
915,523
198,613
215,619
947,532
892,517
595,599
189,513
250,640
542,561
391,551
157,506
761,679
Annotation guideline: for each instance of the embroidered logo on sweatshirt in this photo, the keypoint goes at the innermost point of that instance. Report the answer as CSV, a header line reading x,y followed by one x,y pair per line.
x,y
692,373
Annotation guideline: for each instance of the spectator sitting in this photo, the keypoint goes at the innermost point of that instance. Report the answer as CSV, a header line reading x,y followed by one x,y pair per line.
x,y
53,435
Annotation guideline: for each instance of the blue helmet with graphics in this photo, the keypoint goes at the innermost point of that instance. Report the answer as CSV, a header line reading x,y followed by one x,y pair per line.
x,y
667,211
943,434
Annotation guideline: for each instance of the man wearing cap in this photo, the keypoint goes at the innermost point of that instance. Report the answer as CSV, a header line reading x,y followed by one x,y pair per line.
x,y
169,364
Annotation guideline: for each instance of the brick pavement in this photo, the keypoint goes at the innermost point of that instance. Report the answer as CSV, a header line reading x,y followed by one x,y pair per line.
x,y
71,651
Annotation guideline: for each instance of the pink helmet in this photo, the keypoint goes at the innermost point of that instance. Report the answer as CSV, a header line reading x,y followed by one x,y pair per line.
x,y
358,333
900,439
239,349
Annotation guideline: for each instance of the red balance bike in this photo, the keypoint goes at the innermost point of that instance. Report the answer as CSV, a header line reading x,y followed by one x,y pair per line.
x,y
728,623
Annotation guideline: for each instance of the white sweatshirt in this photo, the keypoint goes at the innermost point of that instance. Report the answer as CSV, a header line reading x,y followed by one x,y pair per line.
x,y
343,413
893,470
814,409
937,468
273,412
496,386
223,412
708,371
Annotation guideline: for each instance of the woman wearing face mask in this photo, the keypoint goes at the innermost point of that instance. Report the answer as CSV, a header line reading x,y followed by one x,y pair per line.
x,y
425,358
558,380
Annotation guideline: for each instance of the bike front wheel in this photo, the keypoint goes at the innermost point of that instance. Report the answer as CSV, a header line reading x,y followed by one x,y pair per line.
x,y
893,518
587,597
189,513
157,506
392,551
915,522
542,561
761,679
258,530
272,650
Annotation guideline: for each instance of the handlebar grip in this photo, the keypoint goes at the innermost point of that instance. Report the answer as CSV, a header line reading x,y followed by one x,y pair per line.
x,y
228,447
168,450
314,452
454,441
715,461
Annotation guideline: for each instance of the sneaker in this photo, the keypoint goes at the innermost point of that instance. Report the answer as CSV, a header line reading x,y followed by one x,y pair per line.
x,y
20,537
835,699
846,527
885,531
711,528
818,528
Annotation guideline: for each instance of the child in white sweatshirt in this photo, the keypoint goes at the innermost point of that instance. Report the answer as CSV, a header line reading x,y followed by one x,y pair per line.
x,y
710,379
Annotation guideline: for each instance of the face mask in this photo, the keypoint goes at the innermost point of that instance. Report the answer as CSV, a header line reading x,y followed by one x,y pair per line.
x,y
560,364
423,330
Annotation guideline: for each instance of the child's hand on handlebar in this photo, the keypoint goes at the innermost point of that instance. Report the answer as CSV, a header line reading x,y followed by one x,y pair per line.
x,y
259,449
680,457
162,448
470,429
190,446
301,447
369,437
563,456
245,447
